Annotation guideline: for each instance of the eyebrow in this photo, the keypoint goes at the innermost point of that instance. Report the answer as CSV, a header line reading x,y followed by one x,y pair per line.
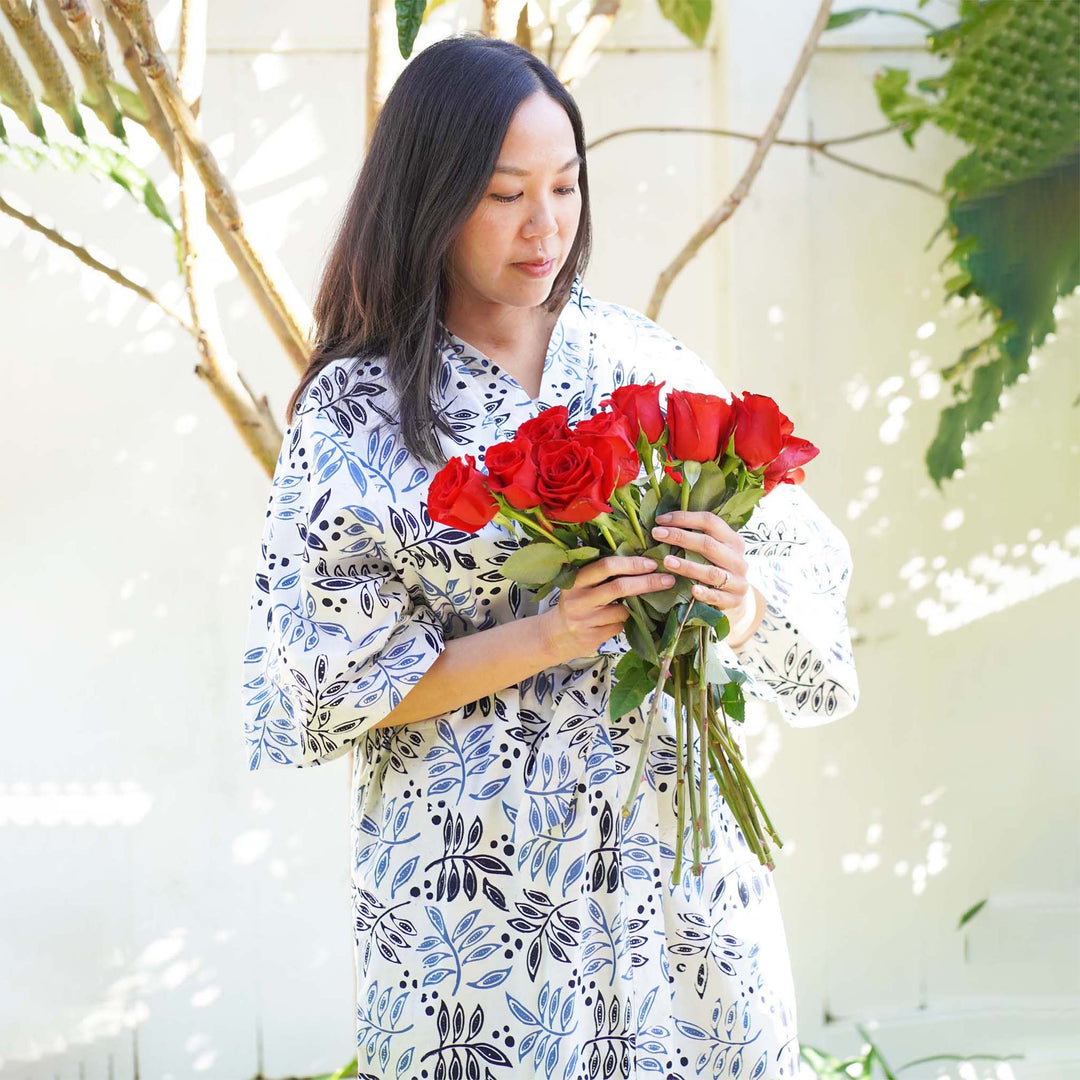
x,y
513,170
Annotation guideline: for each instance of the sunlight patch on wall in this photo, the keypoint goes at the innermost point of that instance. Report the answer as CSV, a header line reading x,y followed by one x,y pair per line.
x,y
994,581
51,804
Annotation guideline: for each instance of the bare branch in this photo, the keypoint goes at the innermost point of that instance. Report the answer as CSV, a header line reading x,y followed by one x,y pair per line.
x,y
738,193
818,145
813,144
16,93
576,56
58,94
85,38
216,368
157,126
270,274
84,256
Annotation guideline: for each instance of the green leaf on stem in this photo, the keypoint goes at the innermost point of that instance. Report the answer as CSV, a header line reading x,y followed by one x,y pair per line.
x,y
706,615
661,600
691,470
708,489
566,577
732,699
641,641
741,506
581,554
669,495
647,513
629,691
671,626
534,564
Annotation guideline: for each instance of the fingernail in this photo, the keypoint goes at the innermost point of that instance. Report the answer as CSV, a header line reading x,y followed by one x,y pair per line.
x,y
670,560
663,517
667,579
657,531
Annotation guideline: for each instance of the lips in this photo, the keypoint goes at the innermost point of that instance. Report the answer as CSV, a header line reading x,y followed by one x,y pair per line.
x,y
541,262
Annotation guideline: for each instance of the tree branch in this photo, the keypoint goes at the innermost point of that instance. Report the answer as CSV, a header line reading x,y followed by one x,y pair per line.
x,y
84,256
738,193
216,368
587,40
58,93
274,282
85,39
818,145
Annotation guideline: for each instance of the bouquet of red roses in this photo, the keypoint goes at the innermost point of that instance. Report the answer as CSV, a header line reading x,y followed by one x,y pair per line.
x,y
583,493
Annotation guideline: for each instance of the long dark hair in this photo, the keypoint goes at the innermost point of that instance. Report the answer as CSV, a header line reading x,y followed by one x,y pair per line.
x,y
384,288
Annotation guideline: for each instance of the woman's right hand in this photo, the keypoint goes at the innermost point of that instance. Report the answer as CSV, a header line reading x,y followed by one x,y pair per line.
x,y
588,613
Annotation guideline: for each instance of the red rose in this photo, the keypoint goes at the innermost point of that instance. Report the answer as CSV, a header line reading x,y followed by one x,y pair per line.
x,y
548,424
512,472
699,425
609,436
759,429
571,481
640,404
786,468
458,496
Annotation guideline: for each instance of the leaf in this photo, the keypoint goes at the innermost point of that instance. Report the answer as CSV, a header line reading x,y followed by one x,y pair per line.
x,y
628,693
708,490
640,640
534,564
702,614
409,14
971,913
944,457
581,554
689,16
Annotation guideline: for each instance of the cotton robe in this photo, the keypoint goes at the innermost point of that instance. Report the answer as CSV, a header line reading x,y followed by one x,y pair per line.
x,y
509,922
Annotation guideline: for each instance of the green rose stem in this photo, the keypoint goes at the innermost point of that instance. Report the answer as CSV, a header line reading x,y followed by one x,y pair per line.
x,y
742,813
658,695
735,758
508,518
603,526
647,458
695,818
680,813
626,500
549,529
703,720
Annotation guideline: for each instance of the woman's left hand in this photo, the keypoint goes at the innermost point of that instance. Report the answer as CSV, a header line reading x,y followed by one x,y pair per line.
x,y
721,580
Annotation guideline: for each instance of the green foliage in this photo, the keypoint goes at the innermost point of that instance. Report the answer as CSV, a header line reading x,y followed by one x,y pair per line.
x,y
409,14
690,16
101,162
1012,94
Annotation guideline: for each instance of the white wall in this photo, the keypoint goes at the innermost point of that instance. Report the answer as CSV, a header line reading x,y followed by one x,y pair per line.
x,y
156,890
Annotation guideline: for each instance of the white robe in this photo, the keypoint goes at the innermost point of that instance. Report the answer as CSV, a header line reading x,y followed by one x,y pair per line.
x,y
507,916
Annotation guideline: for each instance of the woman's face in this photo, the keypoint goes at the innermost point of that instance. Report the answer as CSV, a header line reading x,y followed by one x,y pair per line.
x,y
531,210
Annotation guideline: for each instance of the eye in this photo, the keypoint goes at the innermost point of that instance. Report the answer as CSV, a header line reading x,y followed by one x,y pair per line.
x,y
513,198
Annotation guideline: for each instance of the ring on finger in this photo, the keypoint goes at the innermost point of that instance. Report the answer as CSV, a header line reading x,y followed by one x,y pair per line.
x,y
724,580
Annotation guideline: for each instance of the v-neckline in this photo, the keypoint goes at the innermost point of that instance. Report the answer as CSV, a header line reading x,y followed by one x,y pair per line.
x,y
555,337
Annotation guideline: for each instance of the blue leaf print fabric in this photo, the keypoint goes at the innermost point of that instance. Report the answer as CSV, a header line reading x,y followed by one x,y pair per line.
x,y
508,920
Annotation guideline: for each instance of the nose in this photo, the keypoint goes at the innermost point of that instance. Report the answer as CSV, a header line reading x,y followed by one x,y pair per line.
x,y
541,224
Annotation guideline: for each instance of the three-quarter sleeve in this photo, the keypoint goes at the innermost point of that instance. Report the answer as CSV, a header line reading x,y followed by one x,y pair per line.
x,y
800,656
335,639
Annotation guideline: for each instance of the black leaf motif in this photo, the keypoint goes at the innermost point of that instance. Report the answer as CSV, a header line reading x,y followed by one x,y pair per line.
x,y
744,893
533,956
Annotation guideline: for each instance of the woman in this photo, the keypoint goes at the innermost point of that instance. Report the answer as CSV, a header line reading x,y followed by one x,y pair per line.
x,y
506,915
